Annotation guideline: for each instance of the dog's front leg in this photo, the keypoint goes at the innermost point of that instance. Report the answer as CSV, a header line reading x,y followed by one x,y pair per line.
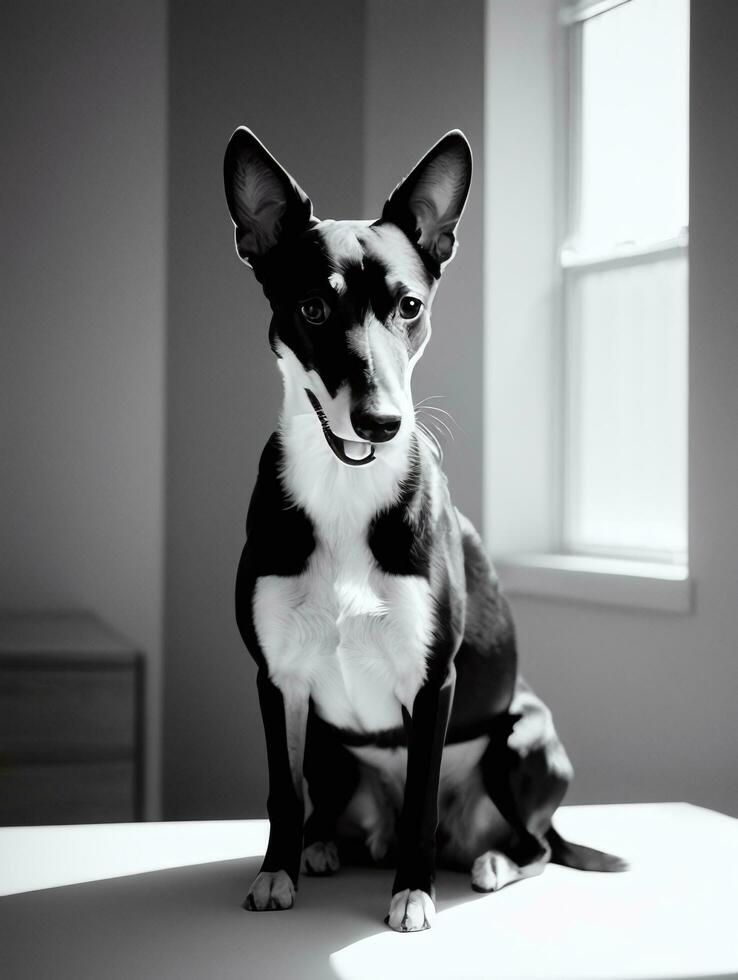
x,y
412,906
284,714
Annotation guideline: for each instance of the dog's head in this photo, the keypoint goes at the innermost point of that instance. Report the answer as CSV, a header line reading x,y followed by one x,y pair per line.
x,y
350,299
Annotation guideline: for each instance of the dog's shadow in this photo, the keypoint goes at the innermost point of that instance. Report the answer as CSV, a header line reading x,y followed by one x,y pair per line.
x,y
188,923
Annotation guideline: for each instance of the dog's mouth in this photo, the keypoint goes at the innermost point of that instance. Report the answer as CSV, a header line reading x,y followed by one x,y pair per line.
x,y
349,452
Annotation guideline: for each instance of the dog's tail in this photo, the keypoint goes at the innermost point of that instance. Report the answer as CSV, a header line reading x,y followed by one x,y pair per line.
x,y
582,857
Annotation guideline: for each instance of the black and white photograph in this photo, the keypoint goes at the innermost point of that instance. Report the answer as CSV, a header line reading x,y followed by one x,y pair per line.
x,y
369,549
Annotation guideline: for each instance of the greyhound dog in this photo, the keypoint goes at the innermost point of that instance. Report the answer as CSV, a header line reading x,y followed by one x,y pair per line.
x,y
387,665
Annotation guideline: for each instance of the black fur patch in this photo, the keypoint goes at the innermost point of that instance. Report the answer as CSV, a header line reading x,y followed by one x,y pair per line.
x,y
290,274
366,287
279,541
279,534
401,537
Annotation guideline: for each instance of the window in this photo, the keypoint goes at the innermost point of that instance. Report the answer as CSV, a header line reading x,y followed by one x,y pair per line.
x,y
624,270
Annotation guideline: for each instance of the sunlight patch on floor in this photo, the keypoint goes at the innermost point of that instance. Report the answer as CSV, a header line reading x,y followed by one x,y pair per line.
x,y
671,915
32,858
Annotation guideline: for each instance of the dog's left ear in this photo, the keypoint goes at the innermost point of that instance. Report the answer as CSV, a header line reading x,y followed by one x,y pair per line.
x,y
428,203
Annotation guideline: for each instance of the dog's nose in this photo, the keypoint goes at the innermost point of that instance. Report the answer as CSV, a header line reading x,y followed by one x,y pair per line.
x,y
375,428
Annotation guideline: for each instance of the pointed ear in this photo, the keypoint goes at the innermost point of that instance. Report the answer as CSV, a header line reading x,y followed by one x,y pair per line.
x,y
428,203
266,204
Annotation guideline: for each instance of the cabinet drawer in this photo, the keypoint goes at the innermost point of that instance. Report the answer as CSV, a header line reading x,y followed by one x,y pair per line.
x,y
67,713
68,793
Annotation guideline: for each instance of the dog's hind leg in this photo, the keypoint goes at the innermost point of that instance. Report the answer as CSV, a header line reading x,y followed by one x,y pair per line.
x,y
526,773
332,776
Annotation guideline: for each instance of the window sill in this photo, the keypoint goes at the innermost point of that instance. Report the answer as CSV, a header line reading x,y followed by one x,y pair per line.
x,y
604,581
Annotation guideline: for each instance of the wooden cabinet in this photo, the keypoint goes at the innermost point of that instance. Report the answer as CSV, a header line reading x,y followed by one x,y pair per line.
x,y
71,722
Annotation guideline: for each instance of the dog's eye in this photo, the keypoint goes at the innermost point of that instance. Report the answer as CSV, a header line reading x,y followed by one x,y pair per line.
x,y
409,307
314,310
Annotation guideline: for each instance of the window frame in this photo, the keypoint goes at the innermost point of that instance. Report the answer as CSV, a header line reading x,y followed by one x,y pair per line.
x,y
573,261
524,164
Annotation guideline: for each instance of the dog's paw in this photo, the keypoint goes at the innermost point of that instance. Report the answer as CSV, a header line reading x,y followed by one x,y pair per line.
x,y
270,891
320,859
492,871
411,911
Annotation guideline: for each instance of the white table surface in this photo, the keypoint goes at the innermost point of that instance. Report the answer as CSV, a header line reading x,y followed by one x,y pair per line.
x,y
140,901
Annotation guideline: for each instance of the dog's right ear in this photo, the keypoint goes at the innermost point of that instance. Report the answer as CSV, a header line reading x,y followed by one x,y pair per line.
x,y
266,204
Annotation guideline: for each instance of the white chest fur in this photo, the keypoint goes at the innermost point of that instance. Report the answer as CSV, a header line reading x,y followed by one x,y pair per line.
x,y
351,636
347,634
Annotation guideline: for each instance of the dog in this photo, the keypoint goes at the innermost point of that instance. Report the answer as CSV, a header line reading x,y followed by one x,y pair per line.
x,y
387,666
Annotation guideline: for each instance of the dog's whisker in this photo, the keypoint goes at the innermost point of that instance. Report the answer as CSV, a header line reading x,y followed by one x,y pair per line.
x,y
433,442
428,398
437,408
439,421
444,432
435,447
436,422
420,416
439,413
425,430
446,427
430,437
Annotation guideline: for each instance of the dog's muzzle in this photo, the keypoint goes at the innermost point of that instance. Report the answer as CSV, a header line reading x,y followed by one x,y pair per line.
x,y
337,445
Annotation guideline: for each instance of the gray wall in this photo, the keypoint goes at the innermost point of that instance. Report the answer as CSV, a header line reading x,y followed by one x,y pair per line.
x,y
293,73
83,254
646,701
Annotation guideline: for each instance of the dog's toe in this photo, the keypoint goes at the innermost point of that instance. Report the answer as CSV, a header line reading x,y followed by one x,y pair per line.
x,y
270,891
411,911
320,858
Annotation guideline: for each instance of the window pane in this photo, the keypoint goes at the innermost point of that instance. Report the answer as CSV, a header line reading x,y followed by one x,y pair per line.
x,y
634,123
626,472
